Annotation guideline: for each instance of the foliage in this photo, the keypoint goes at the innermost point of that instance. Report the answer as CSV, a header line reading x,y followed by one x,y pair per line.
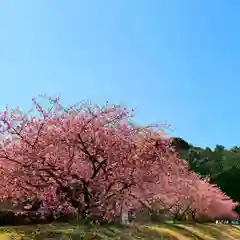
x,y
91,161
219,166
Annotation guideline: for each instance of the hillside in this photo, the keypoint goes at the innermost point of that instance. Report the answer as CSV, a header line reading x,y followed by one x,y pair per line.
x,y
219,165
154,232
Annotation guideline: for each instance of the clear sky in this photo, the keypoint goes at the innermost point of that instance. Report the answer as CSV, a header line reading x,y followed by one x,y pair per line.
x,y
174,60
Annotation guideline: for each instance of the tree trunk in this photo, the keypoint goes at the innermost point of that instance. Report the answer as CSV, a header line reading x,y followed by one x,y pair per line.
x,y
124,214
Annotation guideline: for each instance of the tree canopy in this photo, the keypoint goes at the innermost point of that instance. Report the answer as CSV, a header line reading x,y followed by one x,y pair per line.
x,y
220,165
88,159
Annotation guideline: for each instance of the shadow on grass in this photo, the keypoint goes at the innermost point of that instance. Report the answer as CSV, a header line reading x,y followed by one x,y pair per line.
x,y
112,232
89,233
236,228
229,231
184,231
151,234
221,232
214,232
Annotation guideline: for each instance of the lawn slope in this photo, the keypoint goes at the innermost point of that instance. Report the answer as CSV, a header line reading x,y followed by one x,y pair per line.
x,y
151,232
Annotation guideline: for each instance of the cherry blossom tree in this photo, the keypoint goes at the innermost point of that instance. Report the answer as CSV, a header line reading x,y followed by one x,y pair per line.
x,y
87,159
198,198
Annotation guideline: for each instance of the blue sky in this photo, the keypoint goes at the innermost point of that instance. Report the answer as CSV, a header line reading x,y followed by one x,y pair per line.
x,y
173,60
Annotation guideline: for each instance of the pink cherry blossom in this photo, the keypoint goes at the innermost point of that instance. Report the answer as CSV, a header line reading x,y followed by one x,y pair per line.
x,y
73,161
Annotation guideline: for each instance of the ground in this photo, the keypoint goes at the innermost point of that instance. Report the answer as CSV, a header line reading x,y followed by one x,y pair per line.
x,y
151,232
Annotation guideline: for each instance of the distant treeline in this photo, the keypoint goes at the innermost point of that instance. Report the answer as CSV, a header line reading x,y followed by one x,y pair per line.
x,y
219,165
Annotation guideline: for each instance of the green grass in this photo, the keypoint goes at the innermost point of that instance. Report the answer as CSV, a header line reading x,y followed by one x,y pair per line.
x,y
65,231
151,232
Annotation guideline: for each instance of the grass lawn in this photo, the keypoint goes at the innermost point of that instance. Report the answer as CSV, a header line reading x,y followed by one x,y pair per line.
x,y
151,232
